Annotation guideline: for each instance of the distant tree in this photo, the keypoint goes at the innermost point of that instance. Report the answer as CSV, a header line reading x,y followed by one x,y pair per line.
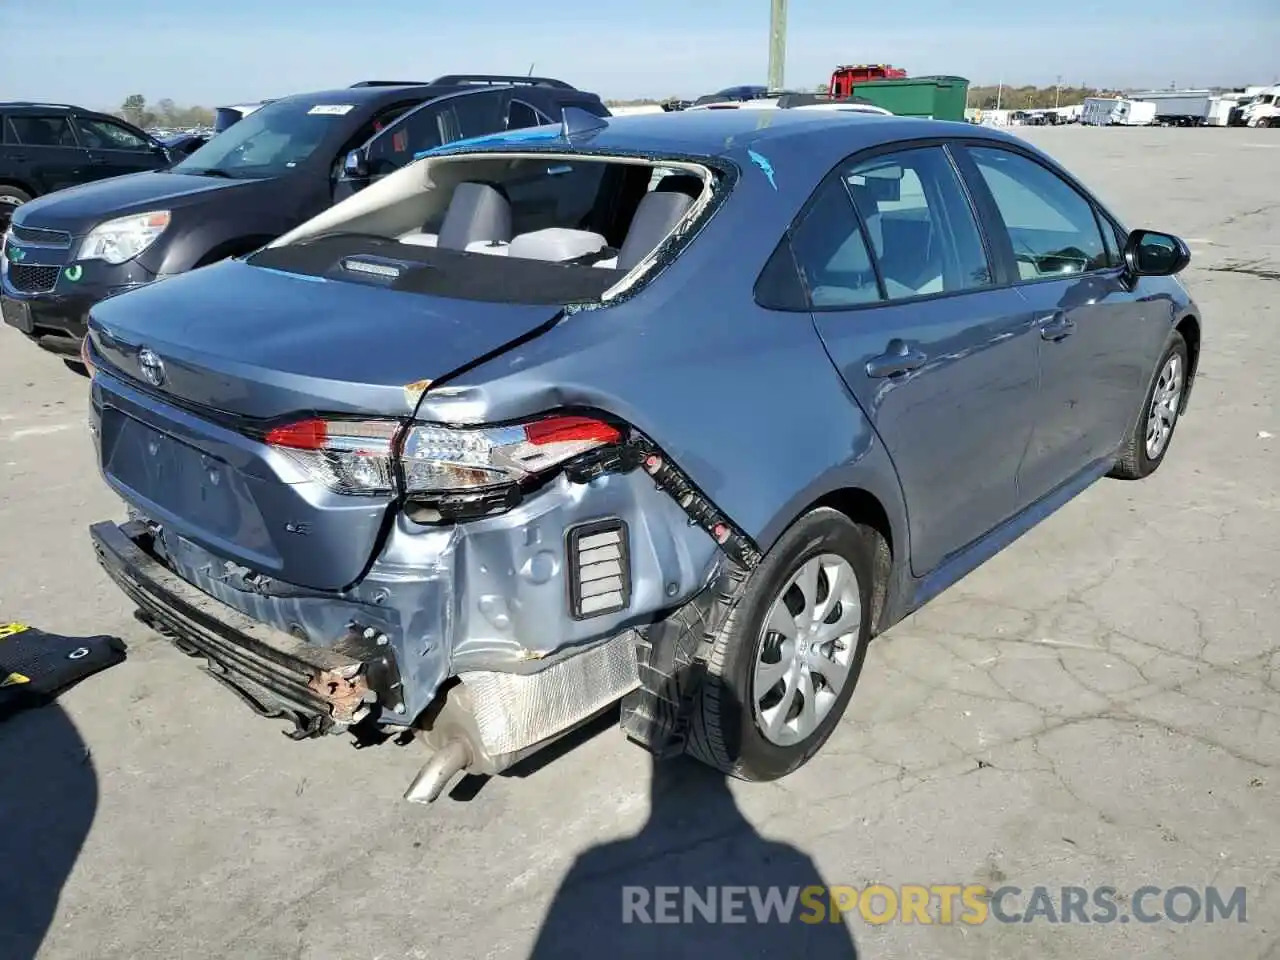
x,y
167,112
134,109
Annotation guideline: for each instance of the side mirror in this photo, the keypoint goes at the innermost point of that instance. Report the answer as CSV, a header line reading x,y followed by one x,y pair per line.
x,y
1151,254
355,166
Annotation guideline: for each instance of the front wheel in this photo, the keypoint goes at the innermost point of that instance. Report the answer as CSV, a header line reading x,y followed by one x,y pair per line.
x,y
1150,438
10,199
784,664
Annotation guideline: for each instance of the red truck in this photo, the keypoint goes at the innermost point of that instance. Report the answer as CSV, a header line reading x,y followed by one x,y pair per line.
x,y
843,78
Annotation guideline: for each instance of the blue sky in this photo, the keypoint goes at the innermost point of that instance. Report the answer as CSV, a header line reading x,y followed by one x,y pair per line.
x,y
96,52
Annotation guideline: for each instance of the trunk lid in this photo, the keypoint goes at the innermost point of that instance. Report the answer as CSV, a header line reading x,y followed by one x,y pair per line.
x,y
259,343
233,345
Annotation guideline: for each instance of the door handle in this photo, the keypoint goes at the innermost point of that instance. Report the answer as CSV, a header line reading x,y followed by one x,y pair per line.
x,y
899,358
1057,326
97,161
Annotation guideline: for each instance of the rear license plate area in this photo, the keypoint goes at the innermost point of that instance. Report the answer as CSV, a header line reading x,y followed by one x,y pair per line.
x,y
182,480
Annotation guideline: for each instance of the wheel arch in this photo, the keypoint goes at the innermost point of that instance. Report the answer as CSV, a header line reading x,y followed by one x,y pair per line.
x,y
1189,327
878,507
17,184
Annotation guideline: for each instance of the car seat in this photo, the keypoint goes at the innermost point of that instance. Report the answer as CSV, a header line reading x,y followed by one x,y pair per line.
x,y
478,216
655,217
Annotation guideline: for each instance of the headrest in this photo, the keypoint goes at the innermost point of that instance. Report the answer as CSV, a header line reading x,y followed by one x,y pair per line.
x,y
477,212
657,213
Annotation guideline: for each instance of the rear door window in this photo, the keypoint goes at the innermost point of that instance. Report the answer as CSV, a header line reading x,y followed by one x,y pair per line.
x,y
920,224
43,131
400,142
831,254
521,115
477,114
1053,228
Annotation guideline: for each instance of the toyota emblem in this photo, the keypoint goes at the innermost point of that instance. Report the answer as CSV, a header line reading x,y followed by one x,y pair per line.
x,y
151,366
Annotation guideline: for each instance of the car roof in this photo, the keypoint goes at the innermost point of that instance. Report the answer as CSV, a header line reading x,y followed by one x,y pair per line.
x,y
713,133
387,93
13,106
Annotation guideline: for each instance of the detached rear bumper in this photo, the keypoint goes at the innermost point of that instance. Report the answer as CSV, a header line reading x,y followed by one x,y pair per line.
x,y
321,689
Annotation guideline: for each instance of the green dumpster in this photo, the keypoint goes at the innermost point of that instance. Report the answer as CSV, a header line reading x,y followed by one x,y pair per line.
x,y
941,98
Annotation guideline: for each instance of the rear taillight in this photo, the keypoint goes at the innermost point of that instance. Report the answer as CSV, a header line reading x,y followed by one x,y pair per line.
x,y
451,460
347,456
364,456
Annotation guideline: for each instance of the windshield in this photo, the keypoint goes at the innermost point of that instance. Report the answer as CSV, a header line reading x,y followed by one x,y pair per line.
x,y
270,141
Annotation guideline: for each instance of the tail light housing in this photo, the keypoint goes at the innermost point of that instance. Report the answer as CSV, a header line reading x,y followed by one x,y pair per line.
x,y
427,461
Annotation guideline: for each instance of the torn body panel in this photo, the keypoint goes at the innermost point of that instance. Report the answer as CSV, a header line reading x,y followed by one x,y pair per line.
x,y
487,596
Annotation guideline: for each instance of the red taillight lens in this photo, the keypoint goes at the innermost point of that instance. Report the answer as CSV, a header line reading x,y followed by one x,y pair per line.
x,y
303,435
347,456
570,430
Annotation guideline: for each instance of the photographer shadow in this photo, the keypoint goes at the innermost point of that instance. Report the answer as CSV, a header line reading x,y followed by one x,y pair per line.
x,y
612,902
48,797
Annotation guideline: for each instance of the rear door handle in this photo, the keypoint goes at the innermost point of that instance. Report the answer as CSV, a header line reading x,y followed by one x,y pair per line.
x,y
1057,326
899,358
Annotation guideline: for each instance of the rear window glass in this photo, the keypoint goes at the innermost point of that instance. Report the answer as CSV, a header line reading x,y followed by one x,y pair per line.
x,y
35,131
443,273
544,229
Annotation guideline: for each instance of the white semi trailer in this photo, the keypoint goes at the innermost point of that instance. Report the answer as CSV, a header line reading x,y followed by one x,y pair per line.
x,y
1179,108
1117,112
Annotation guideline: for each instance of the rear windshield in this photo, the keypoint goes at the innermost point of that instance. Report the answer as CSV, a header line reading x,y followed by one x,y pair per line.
x,y
536,230
272,139
455,274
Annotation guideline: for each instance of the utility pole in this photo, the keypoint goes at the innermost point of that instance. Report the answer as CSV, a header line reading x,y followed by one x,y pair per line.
x,y
1057,94
777,43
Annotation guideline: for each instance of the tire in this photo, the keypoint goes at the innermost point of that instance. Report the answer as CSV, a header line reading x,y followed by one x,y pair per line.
x,y
1137,458
727,726
10,197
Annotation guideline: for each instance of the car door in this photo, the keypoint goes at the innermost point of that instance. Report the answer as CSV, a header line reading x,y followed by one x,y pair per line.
x,y
115,149
1097,337
941,359
46,146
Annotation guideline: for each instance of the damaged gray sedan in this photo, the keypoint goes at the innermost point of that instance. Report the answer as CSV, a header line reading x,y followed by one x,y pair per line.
x,y
678,411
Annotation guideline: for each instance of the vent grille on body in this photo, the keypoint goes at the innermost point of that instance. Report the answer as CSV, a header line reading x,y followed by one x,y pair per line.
x,y
599,569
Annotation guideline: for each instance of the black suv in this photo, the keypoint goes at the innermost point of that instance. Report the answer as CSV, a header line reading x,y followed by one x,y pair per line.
x,y
517,103
48,146
264,175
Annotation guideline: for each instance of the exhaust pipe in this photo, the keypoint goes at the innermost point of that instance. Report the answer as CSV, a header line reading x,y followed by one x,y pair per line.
x,y
445,764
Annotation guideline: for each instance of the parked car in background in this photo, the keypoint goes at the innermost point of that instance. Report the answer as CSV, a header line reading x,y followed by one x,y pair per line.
x,y
224,117
182,145
470,453
261,176
481,106
49,146
793,101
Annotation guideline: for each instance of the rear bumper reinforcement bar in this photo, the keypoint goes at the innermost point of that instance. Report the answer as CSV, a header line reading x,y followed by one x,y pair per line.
x,y
277,674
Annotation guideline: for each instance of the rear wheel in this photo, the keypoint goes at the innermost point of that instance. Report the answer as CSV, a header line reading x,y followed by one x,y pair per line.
x,y
1149,441
784,665
10,198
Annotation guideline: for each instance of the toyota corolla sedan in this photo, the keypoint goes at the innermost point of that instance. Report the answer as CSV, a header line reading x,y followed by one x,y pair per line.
x,y
675,410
